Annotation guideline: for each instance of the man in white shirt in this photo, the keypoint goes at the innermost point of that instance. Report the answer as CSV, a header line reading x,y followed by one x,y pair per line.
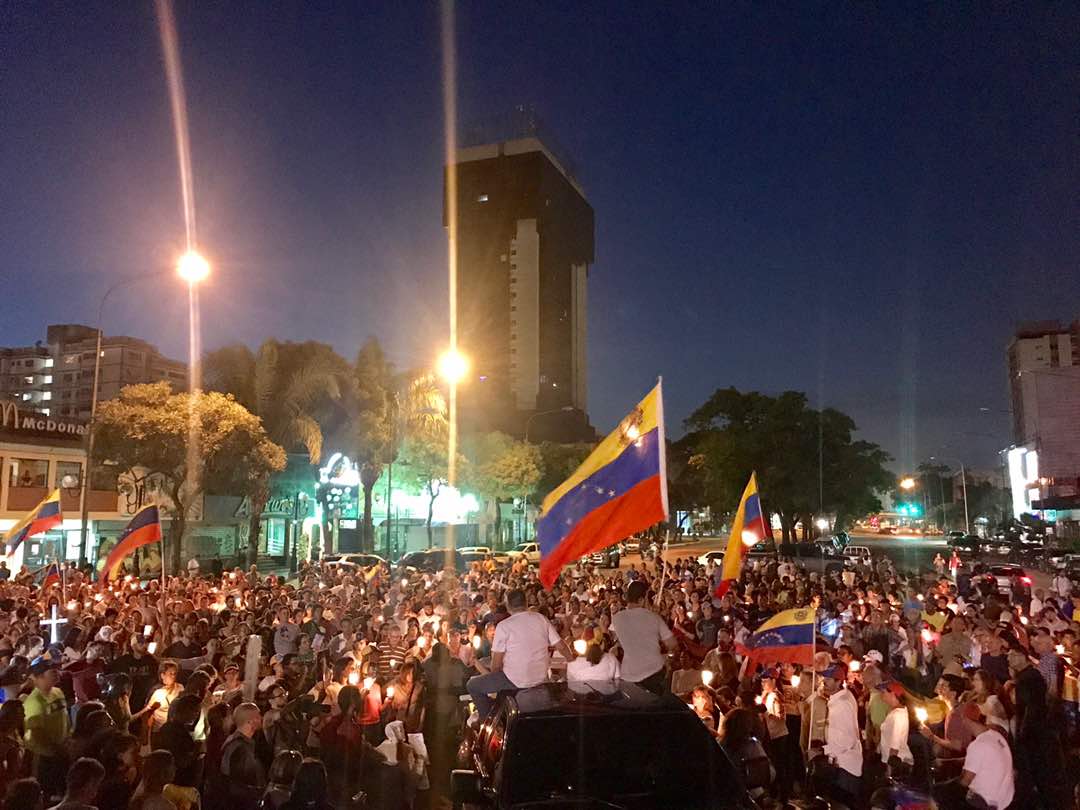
x,y
641,633
520,653
893,747
1062,585
988,766
843,741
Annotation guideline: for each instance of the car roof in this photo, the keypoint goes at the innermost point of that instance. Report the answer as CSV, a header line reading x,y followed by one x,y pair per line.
x,y
591,697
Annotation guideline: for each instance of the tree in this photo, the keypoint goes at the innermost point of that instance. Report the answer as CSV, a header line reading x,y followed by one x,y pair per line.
x,y
372,426
185,444
424,460
285,385
785,441
504,469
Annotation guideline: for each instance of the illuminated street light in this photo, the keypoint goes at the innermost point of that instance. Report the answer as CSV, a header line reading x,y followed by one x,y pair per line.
x,y
453,366
907,483
192,267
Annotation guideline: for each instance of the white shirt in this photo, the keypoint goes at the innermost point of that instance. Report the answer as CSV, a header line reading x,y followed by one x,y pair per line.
x,y
1063,585
894,734
525,638
989,758
843,742
640,633
581,670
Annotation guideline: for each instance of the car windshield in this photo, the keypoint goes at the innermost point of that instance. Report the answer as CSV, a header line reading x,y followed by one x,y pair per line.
x,y
634,760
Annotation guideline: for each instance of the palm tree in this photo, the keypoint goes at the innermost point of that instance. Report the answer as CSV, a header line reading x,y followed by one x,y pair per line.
x,y
284,385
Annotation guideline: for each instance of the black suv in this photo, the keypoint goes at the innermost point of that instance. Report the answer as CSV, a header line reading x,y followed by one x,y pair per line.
x,y
609,745
430,561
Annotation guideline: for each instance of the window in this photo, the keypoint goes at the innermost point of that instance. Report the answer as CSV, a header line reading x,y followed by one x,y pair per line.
x,y
482,198
25,473
48,362
26,397
48,379
47,395
29,378
46,411
68,474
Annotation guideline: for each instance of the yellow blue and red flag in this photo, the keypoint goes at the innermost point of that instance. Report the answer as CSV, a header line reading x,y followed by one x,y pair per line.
x,y
52,576
45,515
788,637
747,531
621,488
144,529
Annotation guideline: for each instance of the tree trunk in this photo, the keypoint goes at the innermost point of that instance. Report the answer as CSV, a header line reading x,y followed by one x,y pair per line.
x,y
433,492
258,504
498,544
367,538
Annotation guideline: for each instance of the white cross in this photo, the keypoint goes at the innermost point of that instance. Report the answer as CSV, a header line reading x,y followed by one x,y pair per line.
x,y
54,622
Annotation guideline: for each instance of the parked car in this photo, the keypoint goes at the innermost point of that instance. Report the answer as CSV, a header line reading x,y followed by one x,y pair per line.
x,y
353,560
630,750
715,554
632,545
1012,579
431,561
531,552
856,552
479,553
606,558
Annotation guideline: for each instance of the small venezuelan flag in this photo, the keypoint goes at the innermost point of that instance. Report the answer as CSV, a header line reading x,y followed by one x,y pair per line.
x,y
747,531
787,637
144,529
52,577
45,515
621,488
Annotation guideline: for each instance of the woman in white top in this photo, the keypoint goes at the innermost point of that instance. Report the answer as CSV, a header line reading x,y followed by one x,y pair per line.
x,y
165,694
595,665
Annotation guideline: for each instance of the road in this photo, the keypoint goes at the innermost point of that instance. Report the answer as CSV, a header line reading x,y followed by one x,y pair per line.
x,y
907,551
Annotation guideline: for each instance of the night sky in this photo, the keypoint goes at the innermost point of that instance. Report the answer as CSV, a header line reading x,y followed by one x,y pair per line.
x,y
857,202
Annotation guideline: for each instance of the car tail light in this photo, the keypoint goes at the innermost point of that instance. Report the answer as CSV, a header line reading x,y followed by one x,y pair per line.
x,y
1026,580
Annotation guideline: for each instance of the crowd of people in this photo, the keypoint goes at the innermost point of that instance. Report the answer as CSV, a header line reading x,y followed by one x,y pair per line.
x,y
345,687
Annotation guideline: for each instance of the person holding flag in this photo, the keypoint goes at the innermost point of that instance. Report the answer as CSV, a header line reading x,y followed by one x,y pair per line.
x,y
144,529
747,530
43,517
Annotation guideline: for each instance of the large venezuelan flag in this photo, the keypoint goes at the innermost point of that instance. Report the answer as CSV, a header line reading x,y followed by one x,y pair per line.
x,y
45,515
788,637
747,531
144,529
621,488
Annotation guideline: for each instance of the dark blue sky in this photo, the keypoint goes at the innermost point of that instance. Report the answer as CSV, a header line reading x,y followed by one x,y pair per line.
x,y
856,201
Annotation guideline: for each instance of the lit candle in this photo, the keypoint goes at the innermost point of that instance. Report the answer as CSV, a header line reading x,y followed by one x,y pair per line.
x,y
389,692
404,583
795,679
1060,649
152,647
1024,620
354,679
855,666
707,677
927,635
369,682
72,605
758,699
476,642
98,597
921,714
148,630
421,642
581,646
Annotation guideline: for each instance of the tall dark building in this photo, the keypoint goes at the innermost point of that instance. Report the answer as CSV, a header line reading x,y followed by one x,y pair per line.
x,y
524,246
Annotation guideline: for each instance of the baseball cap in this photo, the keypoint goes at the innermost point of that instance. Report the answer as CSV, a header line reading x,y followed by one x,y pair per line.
x,y
875,656
891,686
41,665
837,672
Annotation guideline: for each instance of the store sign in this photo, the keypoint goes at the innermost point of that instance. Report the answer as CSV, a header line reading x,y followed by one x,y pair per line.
x,y
274,506
11,419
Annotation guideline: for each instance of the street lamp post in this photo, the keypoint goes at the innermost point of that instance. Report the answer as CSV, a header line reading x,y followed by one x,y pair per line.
x,y
525,501
191,267
963,485
453,366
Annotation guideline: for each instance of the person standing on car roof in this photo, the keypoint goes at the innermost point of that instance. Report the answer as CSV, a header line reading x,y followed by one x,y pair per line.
x,y
520,653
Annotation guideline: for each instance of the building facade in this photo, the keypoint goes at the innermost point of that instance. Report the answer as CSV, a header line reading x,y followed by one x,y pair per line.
x,y
1044,461
56,378
524,243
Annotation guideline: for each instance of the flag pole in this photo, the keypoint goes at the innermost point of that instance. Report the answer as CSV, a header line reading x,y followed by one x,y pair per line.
x,y
663,482
813,685
663,574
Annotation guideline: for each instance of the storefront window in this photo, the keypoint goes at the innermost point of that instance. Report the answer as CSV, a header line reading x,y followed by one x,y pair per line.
x,y
28,472
68,474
